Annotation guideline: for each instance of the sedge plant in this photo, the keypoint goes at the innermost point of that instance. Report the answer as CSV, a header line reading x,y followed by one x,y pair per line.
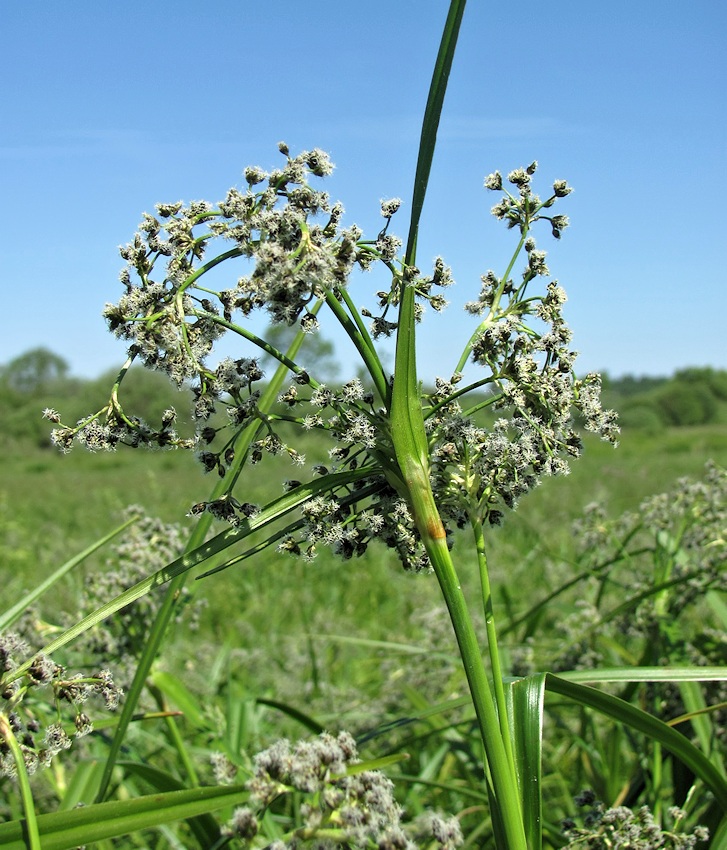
x,y
418,470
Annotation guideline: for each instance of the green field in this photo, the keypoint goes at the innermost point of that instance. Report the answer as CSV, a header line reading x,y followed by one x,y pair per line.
x,y
53,506
357,645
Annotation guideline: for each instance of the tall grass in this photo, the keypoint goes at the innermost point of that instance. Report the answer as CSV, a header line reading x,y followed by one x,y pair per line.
x,y
441,681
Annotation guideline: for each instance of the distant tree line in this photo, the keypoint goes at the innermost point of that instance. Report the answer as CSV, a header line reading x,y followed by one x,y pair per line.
x,y
40,378
694,396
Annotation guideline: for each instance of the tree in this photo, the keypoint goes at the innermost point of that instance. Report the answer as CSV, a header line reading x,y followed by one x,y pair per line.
x,y
34,372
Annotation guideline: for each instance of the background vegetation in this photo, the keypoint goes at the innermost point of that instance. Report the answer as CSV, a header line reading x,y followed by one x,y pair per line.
x,y
358,645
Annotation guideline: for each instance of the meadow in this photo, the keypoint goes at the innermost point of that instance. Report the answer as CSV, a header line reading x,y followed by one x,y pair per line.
x,y
387,619
280,647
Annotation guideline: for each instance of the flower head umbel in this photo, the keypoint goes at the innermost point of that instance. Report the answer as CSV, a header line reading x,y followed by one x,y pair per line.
x,y
337,800
294,259
43,706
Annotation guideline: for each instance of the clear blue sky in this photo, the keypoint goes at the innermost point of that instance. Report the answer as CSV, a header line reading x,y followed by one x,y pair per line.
x,y
110,108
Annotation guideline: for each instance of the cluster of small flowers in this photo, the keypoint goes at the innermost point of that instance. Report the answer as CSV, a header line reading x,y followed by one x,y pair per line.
x,y
692,514
679,533
338,519
519,212
339,522
147,546
27,713
686,525
172,325
620,827
579,639
531,375
109,427
344,808
173,329
387,247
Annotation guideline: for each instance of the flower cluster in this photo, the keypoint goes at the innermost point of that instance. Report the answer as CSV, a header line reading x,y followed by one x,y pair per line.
x,y
35,722
523,343
172,322
341,806
673,541
296,258
620,827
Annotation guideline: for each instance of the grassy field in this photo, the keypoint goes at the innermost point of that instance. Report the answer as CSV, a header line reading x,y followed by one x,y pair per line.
x,y
355,644
53,506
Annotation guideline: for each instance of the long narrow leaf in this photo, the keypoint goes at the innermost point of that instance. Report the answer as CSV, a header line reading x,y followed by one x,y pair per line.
x,y
652,727
195,543
213,547
297,715
204,826
432,113
526,700
180,695
301,494
700,719
647,674
67,830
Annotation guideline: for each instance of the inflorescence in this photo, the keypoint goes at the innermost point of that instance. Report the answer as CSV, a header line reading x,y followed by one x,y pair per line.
x,y
298,258
340,804
619,827
35,693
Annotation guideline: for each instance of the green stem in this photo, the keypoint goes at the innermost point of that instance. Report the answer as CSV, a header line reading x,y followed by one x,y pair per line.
x,y
492,314
261,343
492,643
412,455
26,794
498,756
379,378
363,344
203,269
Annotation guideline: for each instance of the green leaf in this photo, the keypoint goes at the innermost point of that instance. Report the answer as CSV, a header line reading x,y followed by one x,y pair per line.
x,y
195,553
647,674
204,826
302,718
650,726
82,785
295,498
700,720
407,418
67,830
16,611
180,695
432,113
525,702
718,605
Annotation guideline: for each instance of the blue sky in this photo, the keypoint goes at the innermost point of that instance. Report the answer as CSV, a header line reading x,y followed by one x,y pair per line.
x,y
110,108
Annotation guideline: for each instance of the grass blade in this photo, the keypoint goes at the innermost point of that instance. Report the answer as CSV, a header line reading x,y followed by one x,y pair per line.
x,y
526,701
647,674
67,830
432,113
652,727
195,544
16,611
